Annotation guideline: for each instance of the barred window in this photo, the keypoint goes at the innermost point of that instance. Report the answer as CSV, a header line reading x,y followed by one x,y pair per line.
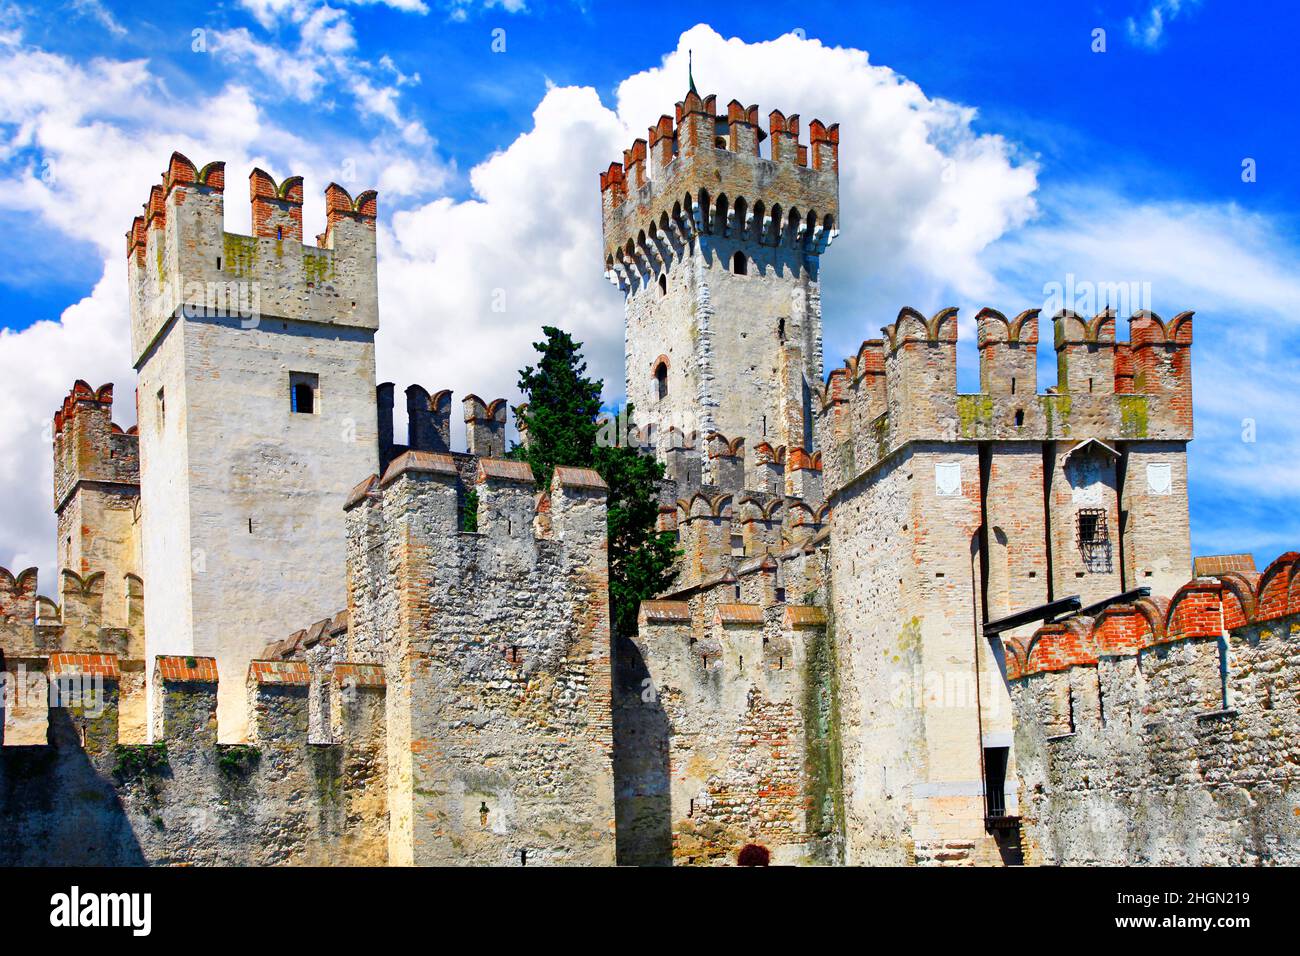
x,y
1094,539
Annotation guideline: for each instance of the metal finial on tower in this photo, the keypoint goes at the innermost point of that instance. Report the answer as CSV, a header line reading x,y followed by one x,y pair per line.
x,y
690,71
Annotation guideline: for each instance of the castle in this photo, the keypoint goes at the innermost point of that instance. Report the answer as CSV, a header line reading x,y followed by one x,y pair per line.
x,y
908,625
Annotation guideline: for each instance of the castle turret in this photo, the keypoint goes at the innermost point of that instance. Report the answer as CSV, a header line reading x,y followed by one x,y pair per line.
x,y
717,248
97,494
257,410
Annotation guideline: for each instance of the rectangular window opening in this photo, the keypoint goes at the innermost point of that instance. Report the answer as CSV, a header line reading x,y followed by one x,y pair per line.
x,y
1094,539
995,781
304,393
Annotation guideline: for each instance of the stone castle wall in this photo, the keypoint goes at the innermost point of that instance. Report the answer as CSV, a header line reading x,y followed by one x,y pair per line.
x,y
86,798
1165,732
496,646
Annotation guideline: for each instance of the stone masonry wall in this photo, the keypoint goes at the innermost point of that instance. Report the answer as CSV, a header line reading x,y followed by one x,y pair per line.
x,y
1165,732
96,491
84,798
720,733
496,643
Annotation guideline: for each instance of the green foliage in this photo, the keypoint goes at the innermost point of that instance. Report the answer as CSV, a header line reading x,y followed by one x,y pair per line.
x,y
236,760
137,760
469,511
561,421
640,558
562,407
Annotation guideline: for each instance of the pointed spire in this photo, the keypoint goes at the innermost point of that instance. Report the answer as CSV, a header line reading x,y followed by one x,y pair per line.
x,y
690,71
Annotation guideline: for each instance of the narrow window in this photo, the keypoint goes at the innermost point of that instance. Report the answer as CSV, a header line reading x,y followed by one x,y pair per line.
x,y
780,595
995,781
739,265
1020,417
302,392
663,284
523,857
780,328
1013,385
1090,385
1094,539
279,232
162,408
218,263
661,380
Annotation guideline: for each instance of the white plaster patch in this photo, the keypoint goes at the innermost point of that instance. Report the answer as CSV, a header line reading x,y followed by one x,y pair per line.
x,y
947,479
1160,479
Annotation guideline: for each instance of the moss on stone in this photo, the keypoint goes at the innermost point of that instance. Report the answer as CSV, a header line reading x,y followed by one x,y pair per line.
x,y
317,268
1056,414
880,433
240,253
1133,416
139,760
975,415
237,760
822,746
327,772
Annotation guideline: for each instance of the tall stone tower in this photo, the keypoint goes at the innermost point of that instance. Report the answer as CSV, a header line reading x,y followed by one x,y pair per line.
x,y
716,247
97,496
256,395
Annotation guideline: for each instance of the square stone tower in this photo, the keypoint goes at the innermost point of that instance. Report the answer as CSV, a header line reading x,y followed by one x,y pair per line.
x,y
716,248
256,395
97,497
951,511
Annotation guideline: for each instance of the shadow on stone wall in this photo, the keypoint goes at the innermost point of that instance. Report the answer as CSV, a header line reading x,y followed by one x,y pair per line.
x,y
642,791
58,809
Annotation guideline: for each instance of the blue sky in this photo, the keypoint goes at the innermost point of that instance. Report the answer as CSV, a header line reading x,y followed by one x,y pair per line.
x,y
1122,165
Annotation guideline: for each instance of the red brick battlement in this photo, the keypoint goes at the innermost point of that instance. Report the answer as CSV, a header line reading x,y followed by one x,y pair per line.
x,y
1204,607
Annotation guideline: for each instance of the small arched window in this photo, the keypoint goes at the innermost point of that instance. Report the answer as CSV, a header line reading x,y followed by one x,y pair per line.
x,y
663,284
279,232
739,264
661,380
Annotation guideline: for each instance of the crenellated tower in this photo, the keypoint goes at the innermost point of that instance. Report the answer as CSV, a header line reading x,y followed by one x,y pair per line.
x,y
956,510
716,242
257,410
97,494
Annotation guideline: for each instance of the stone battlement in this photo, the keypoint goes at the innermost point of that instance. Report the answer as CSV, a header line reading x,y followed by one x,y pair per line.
x,y
903,387
89,446
180,258
493,625
703,173
1175,715
428,420
88,798
32,625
